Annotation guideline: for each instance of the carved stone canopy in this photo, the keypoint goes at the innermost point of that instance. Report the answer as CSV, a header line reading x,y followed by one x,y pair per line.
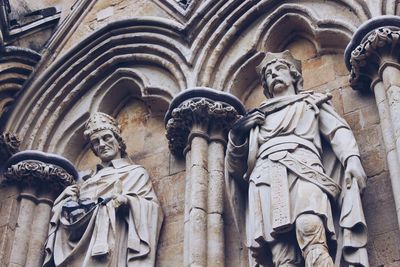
x,y
375,42
203,107
36,168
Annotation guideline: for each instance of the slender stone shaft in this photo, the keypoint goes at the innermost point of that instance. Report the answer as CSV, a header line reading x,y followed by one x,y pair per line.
x,y
197,122
391,148
24,227
391,80
372,58
198,211
42,176
39,230
186,235
215,229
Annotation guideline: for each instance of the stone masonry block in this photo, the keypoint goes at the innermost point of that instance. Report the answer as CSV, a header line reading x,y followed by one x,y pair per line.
x,y
354,100
318,71
9,212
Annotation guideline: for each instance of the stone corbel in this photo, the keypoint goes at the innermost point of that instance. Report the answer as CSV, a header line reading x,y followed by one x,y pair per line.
x,y
197,123
9,145
40,177
372,58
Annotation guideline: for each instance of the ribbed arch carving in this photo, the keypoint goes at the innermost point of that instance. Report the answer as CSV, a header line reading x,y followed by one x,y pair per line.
x,y
16,64
151,49
218,47
234,49
109,96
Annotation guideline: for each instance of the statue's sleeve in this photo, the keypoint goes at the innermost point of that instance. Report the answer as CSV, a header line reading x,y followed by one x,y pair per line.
x,y
338,133
353,234
145,216
236,159
235,183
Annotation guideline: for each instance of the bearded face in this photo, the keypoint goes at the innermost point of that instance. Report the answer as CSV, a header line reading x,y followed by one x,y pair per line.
x,y
278,78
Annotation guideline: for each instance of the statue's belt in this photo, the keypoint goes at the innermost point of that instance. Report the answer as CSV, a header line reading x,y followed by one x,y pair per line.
x,y
272,145
320,179
277,149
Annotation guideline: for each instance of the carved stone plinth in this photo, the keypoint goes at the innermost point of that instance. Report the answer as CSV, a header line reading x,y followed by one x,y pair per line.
x,y
40,177
197,125
373,59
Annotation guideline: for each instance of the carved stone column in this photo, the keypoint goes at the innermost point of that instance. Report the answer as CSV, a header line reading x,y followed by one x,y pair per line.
x,y
373,60
40,178
197,124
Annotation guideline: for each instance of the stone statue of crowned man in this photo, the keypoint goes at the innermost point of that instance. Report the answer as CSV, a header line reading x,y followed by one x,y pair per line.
x,y
112,217
293,171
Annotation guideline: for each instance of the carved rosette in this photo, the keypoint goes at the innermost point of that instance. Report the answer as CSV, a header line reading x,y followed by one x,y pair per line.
x,y
199,110
38,169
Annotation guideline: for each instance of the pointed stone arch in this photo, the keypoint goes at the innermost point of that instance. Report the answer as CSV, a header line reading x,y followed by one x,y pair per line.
x,y
16,64
131,52
230,65
203,52
109,96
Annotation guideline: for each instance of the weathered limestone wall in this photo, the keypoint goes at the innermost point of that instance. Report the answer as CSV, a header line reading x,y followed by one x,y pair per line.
x,y
104,12
8,221
143,123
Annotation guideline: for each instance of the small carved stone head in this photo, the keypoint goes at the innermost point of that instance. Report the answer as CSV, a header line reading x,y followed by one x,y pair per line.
x,y
286,58
99,121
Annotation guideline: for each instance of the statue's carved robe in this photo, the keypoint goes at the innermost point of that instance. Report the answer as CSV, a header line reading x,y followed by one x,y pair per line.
x,y
106,236
289,145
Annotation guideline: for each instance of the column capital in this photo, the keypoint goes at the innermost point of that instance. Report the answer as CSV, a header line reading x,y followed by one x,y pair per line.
x,y
194,111
37,169
375,42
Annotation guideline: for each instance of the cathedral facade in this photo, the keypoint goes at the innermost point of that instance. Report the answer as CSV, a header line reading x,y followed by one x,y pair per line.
x,y
177,75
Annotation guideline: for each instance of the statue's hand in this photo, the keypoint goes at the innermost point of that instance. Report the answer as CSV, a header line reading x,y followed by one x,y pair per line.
x,y
354,169
242,126
71,191
119,200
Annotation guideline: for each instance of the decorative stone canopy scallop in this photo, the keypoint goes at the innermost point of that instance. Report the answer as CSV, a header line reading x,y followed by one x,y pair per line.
x,y
34,168
199,105
374,41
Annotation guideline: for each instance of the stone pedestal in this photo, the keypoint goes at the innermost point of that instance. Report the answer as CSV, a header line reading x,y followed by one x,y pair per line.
x,y
373,58
197,125
40,178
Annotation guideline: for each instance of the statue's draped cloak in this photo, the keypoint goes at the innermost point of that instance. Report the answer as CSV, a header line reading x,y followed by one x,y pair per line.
x,y
106,236
298,122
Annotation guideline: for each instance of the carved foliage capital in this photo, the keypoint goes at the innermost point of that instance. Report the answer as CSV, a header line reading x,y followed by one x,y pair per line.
x,y
34,172
367,57
197,112
34,168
